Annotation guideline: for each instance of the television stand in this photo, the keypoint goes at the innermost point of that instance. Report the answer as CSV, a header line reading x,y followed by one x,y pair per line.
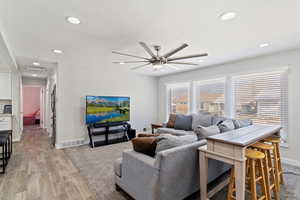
x,y
108,130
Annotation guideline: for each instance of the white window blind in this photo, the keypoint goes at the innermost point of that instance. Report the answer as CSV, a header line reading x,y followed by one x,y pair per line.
x,y
179,98
262,97
210,96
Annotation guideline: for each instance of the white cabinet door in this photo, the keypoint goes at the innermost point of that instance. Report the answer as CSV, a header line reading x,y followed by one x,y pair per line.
x,y
5,86
5,123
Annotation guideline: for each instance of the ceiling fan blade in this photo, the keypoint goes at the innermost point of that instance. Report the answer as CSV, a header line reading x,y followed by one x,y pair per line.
x,y
125,62
125,54
145,46
184,63
140,66
173,67
187,57
175,50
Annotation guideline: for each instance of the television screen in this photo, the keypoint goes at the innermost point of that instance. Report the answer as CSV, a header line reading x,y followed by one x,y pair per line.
x,y
104,109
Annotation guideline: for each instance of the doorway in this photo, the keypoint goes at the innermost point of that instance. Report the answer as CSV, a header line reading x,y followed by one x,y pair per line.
x,y
33,106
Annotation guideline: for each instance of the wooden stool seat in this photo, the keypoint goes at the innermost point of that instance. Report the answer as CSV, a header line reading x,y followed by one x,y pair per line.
x,y
264,146
253,154
273,139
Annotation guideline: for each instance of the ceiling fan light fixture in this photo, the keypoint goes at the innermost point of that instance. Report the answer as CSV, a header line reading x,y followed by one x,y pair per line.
x,y
157,66
227,16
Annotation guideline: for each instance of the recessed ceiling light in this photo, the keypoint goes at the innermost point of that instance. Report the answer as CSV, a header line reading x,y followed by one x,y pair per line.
x,y
73,20
36,64
57,51
227,16
34,75
201,61
264,45
121,63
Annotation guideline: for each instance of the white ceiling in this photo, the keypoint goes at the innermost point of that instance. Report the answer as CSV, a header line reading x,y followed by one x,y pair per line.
x,y
34,27
27,68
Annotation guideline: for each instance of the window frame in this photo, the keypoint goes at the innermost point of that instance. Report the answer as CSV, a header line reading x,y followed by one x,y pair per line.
x,y
196,101
170,86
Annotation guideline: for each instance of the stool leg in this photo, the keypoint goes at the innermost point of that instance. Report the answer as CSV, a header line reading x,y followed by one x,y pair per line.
x,y
3,159
231,184
263,180
272,177
279,163
267,176
253,180
276,168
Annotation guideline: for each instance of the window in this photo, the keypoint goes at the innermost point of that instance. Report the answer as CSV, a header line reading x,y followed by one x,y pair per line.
x,y
209,96
262,97
179,98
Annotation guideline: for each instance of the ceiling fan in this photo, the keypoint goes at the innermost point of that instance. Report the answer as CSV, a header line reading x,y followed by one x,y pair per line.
x,y
157,61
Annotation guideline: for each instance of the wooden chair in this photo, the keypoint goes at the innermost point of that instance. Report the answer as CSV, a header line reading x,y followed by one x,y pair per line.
x,y
255,174
269,168
275,141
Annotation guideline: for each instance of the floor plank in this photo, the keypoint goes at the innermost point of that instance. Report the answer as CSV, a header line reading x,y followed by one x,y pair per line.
x,y
38,171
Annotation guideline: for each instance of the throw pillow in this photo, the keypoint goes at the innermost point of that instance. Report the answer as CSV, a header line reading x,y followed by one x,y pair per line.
x,y
226,125
240,123
204,132
167,141
145,145
201,119
171,122
183,122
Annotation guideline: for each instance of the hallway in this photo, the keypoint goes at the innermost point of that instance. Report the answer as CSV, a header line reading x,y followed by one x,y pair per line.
x,y
38,171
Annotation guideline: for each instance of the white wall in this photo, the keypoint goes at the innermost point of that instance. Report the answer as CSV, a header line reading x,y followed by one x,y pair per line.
x,y
51,81
283,59
91,72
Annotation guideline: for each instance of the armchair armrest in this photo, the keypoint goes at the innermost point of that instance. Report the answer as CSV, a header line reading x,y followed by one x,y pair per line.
x,y
140,174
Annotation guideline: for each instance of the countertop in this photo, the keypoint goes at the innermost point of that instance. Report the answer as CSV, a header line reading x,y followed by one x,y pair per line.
x,y
5,115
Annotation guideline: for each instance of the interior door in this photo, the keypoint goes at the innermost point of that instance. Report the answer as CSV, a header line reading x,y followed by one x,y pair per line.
x,y
53,110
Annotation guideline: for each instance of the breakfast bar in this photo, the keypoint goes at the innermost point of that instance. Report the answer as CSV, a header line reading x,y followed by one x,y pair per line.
x,y
230,148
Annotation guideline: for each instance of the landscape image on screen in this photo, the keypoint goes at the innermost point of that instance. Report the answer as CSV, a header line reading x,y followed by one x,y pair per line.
x,y
101,109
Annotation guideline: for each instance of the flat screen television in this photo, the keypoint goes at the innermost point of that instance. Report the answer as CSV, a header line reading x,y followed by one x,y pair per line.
x,y
107,109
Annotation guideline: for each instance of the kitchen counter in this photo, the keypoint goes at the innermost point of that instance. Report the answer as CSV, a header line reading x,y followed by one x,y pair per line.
x,y
5,115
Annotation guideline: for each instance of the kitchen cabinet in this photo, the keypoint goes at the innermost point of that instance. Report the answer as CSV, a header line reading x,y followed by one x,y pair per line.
x,y
5,123
5,86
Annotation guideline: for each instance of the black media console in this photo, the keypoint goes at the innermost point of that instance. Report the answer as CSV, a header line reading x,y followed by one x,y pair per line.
x,y
110,130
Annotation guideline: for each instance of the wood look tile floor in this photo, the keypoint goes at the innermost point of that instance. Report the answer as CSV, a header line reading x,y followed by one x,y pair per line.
x,y
37,171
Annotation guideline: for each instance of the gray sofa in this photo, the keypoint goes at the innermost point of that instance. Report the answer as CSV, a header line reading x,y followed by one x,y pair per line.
x,y
173,174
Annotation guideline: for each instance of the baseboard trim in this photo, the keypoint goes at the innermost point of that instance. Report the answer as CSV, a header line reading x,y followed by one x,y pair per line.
x,y
71,143
291,161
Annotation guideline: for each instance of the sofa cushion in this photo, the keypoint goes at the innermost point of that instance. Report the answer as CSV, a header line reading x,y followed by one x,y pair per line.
x,y
201,119
171,121
240,123
173,131
167,141
226,125
204,132
183,122
217,119
145,145
118,167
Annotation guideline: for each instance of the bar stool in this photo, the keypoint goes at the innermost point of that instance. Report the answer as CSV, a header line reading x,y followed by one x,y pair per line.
x,y
255,174
269,169
275,141
4,155
8,133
